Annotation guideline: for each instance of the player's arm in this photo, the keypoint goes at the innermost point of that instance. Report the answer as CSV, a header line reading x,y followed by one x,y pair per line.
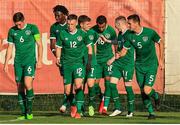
x,y
58,51
53,46
40,50
161,53
8,56
9,50
53,40
114,41
157,39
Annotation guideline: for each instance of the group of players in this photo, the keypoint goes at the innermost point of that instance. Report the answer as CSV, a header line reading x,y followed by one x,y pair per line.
x,y
86,54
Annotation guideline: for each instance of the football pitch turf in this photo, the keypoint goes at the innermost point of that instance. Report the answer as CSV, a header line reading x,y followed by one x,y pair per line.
x,y
58,118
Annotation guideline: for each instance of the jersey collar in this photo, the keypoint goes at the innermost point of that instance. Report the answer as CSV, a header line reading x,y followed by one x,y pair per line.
x,y
63,24
72,33
24,26
140,32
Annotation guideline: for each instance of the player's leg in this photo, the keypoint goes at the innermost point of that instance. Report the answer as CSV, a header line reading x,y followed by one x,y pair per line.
x,y
65,101
29,72
146,100
91,90
148,88
21,90
107,94
79,74
99,75
116,74
68,88
128,76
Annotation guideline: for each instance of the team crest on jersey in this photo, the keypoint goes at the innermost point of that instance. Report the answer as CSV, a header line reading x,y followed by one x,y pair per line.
x,y
79,38
107,35
145,38
66,38
91,37
133,40
57,31
27,32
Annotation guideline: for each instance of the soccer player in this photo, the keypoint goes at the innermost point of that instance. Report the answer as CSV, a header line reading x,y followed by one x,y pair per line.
x,y
84,23
123,67
24,36
105,57
60,13
146,63
71,42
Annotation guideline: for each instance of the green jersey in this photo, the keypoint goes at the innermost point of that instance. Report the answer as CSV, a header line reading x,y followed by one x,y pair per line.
x,y
104,49
91,37
55,29
144,44
128,59
72,46
24,41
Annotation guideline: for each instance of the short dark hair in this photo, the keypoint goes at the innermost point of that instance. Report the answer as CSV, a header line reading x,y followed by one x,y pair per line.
x,y
134,17
101,19
83,18
62,9
72,17
120,18
18,17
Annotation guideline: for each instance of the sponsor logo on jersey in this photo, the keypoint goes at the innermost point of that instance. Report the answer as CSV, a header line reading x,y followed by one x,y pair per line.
x,y
145,38
79,38
57,31
27,32
107,35
15,34
91,37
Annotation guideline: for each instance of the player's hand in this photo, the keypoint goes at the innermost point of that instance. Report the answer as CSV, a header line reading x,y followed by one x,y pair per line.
x,y
58,62
39,64
110,61
117,56
104,39
161,65
5,68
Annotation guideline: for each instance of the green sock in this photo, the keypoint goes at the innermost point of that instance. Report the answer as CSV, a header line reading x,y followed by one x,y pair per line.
x,y
30,96
98,90
79,99
71,99
65,100
147,103
130,97
22,102
91,96
153,94
107,93
115,96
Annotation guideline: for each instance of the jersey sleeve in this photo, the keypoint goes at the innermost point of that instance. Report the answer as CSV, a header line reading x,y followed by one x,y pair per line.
x,y
127,44
59,40
96,37
36,33
10,37
113,35
156,38
52,33
88,38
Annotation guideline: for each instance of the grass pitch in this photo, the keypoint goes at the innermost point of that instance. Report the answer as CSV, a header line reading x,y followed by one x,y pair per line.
x,y
46,117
